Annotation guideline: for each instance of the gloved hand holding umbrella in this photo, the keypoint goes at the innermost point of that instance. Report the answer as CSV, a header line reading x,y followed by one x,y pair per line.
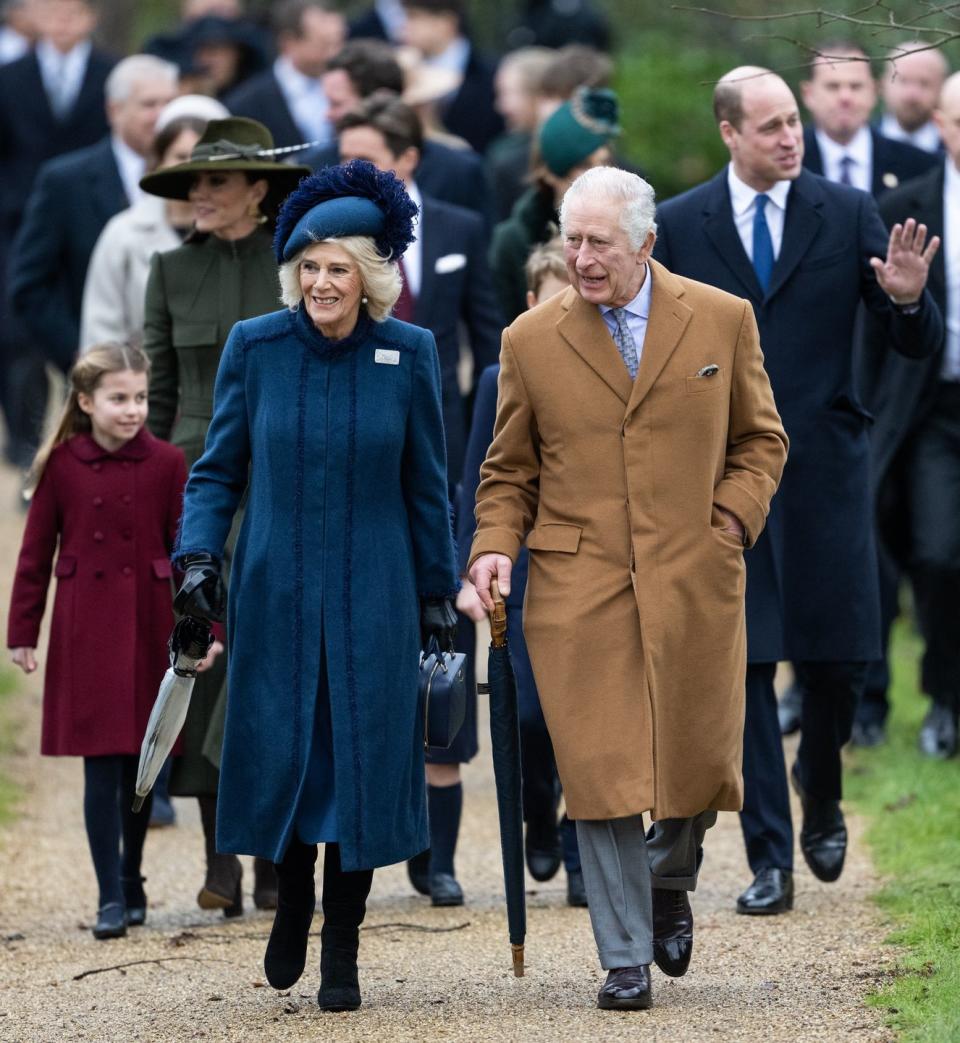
x,y
201,600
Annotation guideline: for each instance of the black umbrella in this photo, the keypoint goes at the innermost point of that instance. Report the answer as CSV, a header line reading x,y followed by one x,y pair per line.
x,y
505,744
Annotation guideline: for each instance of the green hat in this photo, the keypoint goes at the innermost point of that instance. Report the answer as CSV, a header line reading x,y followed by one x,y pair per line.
x,y
578,128
236,143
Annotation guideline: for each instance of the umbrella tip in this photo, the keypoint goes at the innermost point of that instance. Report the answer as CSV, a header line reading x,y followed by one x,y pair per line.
x,y
517,951
138,803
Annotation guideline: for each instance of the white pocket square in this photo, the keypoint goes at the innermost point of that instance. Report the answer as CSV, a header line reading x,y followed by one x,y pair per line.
x,y
450,263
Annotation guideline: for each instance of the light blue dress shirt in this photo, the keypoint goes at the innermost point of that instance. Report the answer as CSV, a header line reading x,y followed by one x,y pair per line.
x,y
637,313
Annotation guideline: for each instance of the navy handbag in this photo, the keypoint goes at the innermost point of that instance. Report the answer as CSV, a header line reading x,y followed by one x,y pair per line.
x,y
443,694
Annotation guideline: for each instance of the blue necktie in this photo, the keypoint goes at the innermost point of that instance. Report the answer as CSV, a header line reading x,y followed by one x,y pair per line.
x,y
762,243
845,164
625,343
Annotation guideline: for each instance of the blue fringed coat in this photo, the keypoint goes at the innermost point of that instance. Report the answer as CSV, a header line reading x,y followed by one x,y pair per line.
x,y
346,525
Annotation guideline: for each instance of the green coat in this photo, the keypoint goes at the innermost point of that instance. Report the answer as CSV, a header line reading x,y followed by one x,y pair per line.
x,y
195,295
532,222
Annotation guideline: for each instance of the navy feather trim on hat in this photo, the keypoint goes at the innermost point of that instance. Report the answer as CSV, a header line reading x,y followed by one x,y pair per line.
x,y
359,180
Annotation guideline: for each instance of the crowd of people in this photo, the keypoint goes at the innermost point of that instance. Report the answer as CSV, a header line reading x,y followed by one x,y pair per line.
x,y
691,440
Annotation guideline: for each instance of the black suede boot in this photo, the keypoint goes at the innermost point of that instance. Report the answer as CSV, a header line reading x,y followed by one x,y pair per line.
x,y
286,954
344,907
222,886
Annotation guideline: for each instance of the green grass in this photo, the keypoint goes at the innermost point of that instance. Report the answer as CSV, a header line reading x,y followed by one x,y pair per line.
x,y
913,806
9,793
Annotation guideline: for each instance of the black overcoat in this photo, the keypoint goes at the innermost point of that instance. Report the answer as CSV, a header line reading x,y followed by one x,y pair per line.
x,y
812,576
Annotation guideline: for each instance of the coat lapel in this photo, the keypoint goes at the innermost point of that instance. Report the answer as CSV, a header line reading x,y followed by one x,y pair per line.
x,y
106,188
429,251
800,228
35,93
585,331
719,228
669,317
812,159
927,207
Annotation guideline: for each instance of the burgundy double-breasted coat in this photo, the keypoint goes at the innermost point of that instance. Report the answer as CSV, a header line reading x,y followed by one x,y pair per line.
x,y
115,517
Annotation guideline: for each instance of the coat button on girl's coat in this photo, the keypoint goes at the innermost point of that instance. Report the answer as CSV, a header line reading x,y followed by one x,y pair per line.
x,y
127,571
98,501
98,536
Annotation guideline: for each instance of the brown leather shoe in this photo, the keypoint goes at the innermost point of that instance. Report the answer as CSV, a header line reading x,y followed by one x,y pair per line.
x,y
626,988
672,931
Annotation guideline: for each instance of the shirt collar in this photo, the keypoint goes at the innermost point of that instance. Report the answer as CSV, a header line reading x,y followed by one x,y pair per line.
x,y
291,79
951,180
48,55
742,195
640,305
455,57
859,148
126,157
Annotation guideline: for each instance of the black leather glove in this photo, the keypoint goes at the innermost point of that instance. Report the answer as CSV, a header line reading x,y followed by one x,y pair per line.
x,y
202,594
438,618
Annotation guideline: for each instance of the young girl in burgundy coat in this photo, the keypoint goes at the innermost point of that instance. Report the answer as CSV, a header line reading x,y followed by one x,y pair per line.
x,y
106,505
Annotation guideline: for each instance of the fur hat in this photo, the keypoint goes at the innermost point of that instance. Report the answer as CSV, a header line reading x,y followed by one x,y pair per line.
x,y
351,199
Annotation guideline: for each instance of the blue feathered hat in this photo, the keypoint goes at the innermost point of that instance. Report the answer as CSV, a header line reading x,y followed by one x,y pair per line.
x,y
351,199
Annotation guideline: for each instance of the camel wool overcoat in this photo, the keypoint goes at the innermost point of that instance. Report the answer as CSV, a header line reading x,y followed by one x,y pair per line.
x,y
634,612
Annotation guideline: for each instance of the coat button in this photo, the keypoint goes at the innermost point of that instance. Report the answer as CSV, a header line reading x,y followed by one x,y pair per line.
x,y
98,536
127,498
127,571
98,501
96,467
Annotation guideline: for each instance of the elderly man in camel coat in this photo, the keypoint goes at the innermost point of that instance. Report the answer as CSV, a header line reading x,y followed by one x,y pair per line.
x,y
636,450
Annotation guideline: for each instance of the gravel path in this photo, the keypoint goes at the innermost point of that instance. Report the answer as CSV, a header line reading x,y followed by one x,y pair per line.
x,y
426,973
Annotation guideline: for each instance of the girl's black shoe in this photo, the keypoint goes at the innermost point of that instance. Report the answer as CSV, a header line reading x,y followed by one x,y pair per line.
x,y
111,921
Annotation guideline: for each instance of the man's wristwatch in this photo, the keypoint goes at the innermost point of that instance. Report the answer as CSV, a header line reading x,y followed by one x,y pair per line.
x,y
907,309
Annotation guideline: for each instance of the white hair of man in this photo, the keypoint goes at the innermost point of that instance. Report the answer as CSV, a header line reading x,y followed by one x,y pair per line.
x,y
135,69
638,210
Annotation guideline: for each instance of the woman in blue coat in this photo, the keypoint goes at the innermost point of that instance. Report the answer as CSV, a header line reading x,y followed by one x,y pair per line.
x,y
344,565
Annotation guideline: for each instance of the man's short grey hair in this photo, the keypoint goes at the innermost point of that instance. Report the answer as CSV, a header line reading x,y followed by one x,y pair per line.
x,y
135,69
639,211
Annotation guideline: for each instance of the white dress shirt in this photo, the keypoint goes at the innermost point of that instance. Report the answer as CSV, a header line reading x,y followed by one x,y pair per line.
x,y
13,45
454,58
131,166
306,101
743,201
413,256
63,74
926,137
951,261
636,313
394,17
860,151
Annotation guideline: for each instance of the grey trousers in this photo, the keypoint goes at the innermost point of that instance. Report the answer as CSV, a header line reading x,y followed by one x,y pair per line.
x,y
620,866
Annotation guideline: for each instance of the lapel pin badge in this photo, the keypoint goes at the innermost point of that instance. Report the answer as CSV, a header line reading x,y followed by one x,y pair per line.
x,y
709,371
386,357
890,180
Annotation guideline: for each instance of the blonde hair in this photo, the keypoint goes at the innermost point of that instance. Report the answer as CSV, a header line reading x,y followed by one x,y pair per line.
x,y
545,260
84,379
379,277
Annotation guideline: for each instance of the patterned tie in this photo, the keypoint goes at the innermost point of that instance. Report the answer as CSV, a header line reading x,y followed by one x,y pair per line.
x,y
845,164
625,343
762,243
403,309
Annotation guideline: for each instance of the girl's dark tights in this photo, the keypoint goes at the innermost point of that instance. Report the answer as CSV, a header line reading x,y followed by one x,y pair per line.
x,y
115,833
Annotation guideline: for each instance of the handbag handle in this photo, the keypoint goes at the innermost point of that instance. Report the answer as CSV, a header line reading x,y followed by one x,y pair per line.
x,y
498,617
433,648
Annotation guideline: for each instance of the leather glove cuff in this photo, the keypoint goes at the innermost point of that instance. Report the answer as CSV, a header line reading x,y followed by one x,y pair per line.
x,y
438,619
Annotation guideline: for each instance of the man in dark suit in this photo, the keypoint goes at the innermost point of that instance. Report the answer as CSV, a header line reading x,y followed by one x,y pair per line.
x,y
288,98
840,143
915,441
844,147
806,253
51,102
364,66
446,285
436,28
73,197
382,21
912,80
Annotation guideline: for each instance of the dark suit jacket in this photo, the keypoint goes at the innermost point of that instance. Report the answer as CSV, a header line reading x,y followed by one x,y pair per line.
x,y
460,293
368,25
812,577
260,98
471,113
900,391
451,175
893,161
30,134
73,198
